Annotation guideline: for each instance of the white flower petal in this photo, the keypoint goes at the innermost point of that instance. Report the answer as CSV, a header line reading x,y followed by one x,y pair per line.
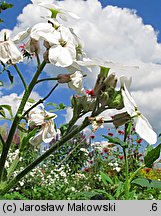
x,y
21,36
61,56
40,28
145,131
37,139
125,81
9,51
49,132
76,82
129,102
51,38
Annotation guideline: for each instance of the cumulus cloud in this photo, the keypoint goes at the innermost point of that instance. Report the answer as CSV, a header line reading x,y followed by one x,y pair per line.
x,y
14,101
116,34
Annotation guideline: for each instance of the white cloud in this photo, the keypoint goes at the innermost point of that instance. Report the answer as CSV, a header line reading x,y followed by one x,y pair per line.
x,y
14,101
119,35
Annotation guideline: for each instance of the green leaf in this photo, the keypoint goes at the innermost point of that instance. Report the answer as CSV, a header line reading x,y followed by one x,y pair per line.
x,y
116,141
63,128
31,100
61,106
1,21
104,71
105,178
4,175
147,183
51,104
7,107
152,156
119,189
26,139
108,196
2,112
4,5
132,195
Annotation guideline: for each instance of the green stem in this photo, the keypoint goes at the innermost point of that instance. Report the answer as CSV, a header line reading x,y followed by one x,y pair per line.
x,y
134,174
21,76
18,118
57,145
40,101
46,79
38,59
126,175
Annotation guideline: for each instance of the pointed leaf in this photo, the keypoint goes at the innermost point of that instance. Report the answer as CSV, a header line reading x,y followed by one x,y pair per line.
x,y
104,71
105,178
61,106
2,112
147,183
116,141
119,189
51,104
25,140
8,108
152,156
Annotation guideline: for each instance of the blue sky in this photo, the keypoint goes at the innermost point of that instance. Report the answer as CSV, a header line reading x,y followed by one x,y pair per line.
x,y
149,11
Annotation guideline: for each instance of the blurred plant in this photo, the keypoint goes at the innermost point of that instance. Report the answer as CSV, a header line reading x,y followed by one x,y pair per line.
x,y
51,42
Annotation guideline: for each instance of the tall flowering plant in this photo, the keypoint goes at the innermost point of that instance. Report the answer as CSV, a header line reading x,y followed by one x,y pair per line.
x,y
63,48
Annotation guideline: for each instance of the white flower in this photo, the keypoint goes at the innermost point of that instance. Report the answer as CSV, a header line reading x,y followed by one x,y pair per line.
x,y
38,32
76,82
55,9
84,150
117,169
116,164
9,51
125,81
90,63
143,127
62,50
110,164
39,117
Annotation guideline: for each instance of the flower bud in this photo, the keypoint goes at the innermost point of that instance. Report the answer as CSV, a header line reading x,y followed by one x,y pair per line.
x,y
111,80
46,56
34,46
121,119
46,44
104,98
63,78
117,101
